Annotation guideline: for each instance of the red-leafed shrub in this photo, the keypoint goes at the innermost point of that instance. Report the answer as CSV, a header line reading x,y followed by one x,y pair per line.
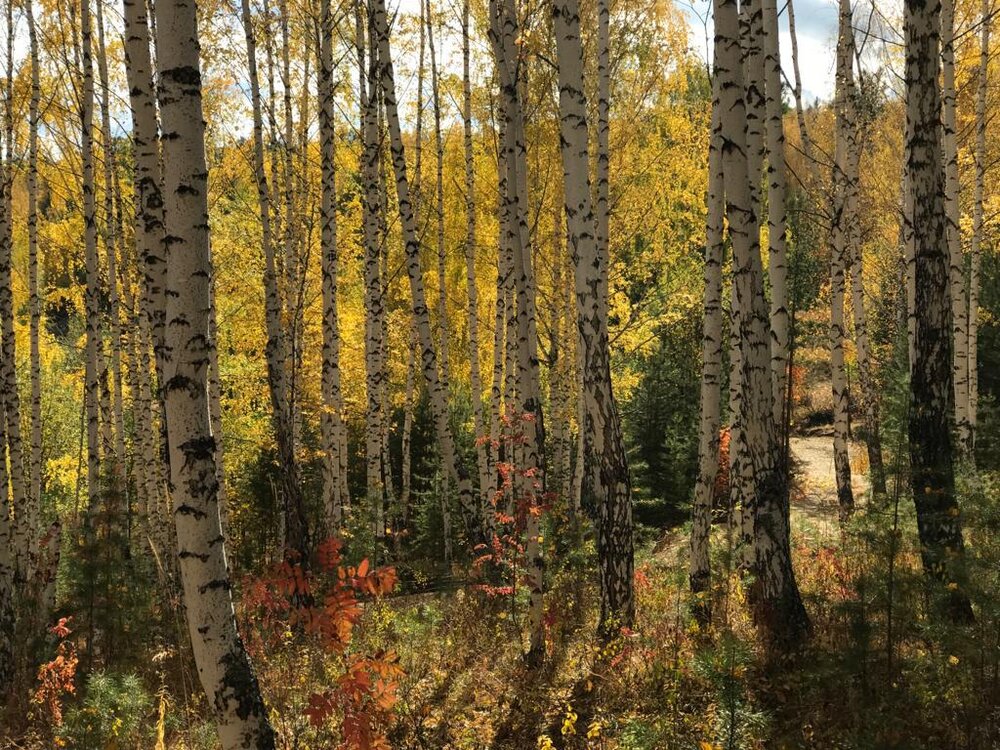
x,y
322,605
57,678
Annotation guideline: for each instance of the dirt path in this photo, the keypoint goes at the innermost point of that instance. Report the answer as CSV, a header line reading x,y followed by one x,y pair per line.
x,y
814,497
814,504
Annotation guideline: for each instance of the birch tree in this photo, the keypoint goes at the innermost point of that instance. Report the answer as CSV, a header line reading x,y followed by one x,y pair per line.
x,y
527,414
607,478
223,666
978,217
776,222
952,210
470,251
335,494
34,298
92,293
276,349
111,236
711,370
149,239
774,594
371,202
851,223
839,232
932,471
438,397
442,256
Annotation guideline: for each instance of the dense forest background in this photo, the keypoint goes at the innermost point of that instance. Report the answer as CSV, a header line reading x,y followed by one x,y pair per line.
x,y
498,375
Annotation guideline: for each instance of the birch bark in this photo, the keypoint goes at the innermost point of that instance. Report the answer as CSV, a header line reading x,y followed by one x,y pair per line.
x,y
438,397
607,477
774,595
978,216
931,388
276,350
956,271
839,232
335,497
711,369
475,370
223,666
34,298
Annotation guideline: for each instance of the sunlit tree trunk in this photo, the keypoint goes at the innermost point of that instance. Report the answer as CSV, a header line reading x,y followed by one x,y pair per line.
x,y
952,210
498,384
607,477
335,497
386,285
711,370
372,207
475,371
930,436
909,260
839,233
978,216
438,397
853,256
774,594
527,415
442,257
751,26
34,299
776,224
602,194
150,250
92,292
276,350
740,493
223,666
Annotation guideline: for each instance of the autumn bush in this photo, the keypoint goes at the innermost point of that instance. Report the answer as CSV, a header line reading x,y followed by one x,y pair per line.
x,y
300,622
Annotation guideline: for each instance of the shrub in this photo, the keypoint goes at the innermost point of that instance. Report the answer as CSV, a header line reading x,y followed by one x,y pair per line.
x,y
115,714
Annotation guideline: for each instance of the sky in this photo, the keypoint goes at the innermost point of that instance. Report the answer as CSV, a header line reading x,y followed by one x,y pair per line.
x,y
815,27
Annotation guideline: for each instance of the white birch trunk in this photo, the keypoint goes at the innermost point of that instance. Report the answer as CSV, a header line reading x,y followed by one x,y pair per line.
x,y
776,222
149,237
276,350
335,499
34,299
774,594
453,465
223,666
839,231
952,189
931,388
607,477
92,293
475,370
711,369
978,215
